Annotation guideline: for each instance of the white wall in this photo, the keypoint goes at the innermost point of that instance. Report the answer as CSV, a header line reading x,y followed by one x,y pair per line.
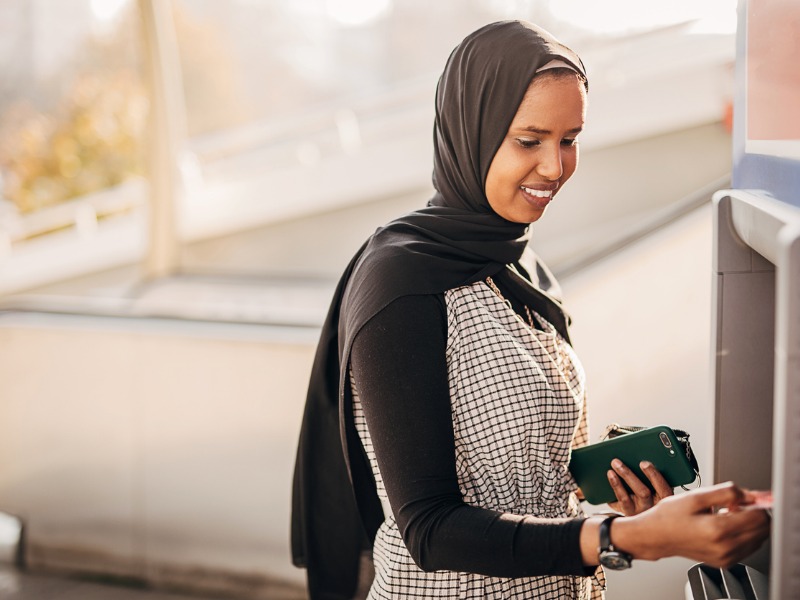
x,y
152,450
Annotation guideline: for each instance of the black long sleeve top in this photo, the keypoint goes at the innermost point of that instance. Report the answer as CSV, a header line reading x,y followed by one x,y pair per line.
x,y
399,369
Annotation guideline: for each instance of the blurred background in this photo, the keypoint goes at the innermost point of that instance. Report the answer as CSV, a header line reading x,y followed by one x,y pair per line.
x,y
181,184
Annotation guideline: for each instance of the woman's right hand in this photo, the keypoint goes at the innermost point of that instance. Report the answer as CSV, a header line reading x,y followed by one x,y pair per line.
x,y
693,526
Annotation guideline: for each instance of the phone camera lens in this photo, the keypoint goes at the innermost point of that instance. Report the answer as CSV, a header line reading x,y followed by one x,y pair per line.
x,y
665,440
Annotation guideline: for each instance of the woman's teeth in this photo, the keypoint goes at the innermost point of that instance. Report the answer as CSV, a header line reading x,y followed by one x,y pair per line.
x,y
537,193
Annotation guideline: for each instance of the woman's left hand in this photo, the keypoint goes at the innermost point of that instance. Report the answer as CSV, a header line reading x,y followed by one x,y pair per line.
x,y
642,498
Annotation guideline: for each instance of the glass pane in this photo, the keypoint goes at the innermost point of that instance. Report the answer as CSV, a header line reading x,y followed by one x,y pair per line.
x,y
295,108
73,108
247,61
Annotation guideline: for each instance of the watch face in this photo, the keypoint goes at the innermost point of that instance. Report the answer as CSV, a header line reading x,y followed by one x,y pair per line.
x,y
615,560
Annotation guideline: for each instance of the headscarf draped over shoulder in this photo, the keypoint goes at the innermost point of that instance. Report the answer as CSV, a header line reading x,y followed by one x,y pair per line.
x,y
456,240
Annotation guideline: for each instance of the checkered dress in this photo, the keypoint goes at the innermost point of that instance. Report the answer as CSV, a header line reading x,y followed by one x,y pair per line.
x,y
517,399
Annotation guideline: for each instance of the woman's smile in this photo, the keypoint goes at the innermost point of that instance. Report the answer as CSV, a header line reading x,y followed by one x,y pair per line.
x,y
539,195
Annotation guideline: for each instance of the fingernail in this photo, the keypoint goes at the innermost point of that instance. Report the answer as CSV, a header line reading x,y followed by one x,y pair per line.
x,y
612,475
616,463
645,464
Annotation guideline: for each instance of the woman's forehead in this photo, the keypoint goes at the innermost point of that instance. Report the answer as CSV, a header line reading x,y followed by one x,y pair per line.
x,y
560,100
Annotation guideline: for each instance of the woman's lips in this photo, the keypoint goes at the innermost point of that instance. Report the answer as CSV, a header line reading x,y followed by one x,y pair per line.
x,y
539,197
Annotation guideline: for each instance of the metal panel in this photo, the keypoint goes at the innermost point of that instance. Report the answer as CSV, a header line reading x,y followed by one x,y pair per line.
x,y
743,357
743,418
754,360
786,457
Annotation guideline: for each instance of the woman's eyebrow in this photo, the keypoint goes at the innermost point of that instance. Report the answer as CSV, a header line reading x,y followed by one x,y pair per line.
x,y
534,129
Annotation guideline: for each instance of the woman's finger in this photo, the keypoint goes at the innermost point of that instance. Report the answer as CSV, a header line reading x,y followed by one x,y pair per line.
x,y
660,485
744,535
721,495
742,522
624,502
634,483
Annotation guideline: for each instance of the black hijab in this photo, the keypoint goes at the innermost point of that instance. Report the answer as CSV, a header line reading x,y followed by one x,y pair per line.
x,y
456,240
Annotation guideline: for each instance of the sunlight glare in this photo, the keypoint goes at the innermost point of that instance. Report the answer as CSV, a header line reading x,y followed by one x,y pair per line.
x,y
620,16
107,10
356,12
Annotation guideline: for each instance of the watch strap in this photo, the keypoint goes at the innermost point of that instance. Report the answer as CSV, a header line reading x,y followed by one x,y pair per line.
x,y
607,554
605,532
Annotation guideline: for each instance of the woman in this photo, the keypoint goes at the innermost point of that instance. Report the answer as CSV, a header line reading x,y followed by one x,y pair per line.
x,y
445,374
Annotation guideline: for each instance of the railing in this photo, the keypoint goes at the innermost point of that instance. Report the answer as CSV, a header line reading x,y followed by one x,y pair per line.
x,y
82,213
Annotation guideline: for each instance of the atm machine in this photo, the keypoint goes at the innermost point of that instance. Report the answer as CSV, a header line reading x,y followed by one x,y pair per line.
x,y
756,341
756,289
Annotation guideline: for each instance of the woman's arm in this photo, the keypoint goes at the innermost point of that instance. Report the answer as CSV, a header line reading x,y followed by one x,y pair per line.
x,y
400,372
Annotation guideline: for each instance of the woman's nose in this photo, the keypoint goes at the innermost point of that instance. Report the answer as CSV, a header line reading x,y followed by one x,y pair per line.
x,y
550,166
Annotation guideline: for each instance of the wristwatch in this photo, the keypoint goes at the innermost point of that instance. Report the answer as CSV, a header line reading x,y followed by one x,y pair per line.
x,y
609,556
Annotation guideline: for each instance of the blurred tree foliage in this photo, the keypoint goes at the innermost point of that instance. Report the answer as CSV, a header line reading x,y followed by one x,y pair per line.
x,y
80,130
84,128
91,142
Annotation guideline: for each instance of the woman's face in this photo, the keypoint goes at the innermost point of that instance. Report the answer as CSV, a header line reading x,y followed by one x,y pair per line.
x,y
540,151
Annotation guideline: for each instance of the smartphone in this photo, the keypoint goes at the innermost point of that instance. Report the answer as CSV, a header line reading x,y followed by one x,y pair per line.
x,y
659,445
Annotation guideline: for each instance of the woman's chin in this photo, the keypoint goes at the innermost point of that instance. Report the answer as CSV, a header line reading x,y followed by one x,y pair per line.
x,y
528,216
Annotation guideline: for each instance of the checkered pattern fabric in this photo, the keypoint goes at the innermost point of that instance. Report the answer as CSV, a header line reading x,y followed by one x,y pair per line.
x,y
517,399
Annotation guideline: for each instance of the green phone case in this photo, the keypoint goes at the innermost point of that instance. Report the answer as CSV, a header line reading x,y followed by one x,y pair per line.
x,y
659,445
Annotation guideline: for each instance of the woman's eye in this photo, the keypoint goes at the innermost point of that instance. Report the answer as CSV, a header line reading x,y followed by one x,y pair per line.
x,y
571,142
527,143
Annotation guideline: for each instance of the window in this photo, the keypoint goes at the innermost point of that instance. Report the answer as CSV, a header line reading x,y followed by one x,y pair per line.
x,y
276,110
73,109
